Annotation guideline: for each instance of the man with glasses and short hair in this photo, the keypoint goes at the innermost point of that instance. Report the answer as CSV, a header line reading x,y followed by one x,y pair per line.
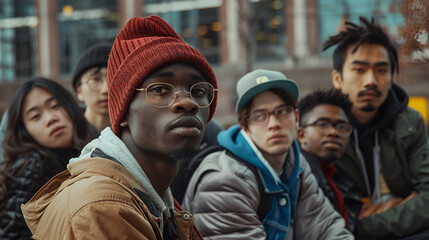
x,y
162,94
258,186
324,135
90,83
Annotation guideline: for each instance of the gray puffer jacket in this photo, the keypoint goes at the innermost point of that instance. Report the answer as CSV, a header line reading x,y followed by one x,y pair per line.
x,y
223,196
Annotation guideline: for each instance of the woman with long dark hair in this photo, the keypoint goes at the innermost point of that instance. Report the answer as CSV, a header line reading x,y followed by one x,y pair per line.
x,y
45,128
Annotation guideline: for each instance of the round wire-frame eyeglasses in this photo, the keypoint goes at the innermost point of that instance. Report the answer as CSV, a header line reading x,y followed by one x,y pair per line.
x,y
162,95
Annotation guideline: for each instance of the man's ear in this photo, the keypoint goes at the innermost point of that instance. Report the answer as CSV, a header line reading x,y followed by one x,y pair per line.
x,y
124,123
336,79
296,118
302,136
79,93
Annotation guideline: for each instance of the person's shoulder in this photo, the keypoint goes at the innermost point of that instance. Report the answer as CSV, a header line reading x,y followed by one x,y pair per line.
x,y
221,173
220,167
30,161
408,122
68,200
224,161
411,115
90,189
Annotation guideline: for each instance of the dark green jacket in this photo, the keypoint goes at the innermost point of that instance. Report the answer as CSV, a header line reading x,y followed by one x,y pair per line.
x,y
404,160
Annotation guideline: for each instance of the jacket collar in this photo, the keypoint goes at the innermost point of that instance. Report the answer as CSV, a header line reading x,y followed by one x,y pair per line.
x,y
112,146
236,140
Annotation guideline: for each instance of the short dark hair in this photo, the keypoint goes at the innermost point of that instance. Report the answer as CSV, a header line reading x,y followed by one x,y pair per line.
x,y
369,33
320,96
245,110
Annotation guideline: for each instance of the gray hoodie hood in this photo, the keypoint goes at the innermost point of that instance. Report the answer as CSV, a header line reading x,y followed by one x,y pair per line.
x,y
113,146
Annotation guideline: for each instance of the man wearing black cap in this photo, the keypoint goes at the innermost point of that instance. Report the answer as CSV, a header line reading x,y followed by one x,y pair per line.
x,y
260,159
90,83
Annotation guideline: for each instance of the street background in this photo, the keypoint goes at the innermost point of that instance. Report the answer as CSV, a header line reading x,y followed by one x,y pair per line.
x,y
46,37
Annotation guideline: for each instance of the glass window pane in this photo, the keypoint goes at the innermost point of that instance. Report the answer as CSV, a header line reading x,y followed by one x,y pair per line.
x,y
269,30
82,24
197,23
17,40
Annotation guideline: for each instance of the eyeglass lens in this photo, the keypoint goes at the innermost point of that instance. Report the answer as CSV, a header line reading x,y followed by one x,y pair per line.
x,y
326,126
96,83
280,113
163,94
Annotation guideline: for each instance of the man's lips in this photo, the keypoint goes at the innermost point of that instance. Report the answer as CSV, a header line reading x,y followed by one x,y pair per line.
x,y
276,137
103,102
186,126
369,94
332,143
56,131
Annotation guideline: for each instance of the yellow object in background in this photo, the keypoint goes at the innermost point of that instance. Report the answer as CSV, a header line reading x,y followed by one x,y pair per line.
x,y
421,105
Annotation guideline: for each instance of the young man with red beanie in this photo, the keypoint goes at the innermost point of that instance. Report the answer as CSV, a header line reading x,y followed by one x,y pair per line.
x,y
162,93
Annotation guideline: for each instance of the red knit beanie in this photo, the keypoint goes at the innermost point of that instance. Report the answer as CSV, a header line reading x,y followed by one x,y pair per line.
x,y
142,46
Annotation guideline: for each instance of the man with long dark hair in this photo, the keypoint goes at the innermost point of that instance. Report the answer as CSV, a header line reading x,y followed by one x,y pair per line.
x,y
388,154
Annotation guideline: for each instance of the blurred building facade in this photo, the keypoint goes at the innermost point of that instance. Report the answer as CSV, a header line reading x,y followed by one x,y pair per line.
x,y
46,37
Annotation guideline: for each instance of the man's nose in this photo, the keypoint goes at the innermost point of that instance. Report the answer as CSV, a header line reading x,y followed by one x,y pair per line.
x,y
333,131
370,79
104,86
184,102
273,121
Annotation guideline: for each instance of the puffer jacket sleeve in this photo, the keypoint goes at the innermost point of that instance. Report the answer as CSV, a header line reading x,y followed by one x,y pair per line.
x,y
20,190
413,215
223,197
315,217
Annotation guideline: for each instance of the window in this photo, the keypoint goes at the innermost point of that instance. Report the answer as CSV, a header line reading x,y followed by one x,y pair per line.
x,y
17,40
82,24
197,22
269,30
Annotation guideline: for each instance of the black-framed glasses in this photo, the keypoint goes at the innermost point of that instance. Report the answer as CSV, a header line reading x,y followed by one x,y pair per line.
x,y
324,126
162,95
262,116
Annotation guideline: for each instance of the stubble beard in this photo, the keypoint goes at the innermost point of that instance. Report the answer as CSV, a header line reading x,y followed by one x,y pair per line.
x,y
329,158
368,108
183,154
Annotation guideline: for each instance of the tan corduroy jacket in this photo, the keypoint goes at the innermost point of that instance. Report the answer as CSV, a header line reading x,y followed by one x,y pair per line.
x,y
96,199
